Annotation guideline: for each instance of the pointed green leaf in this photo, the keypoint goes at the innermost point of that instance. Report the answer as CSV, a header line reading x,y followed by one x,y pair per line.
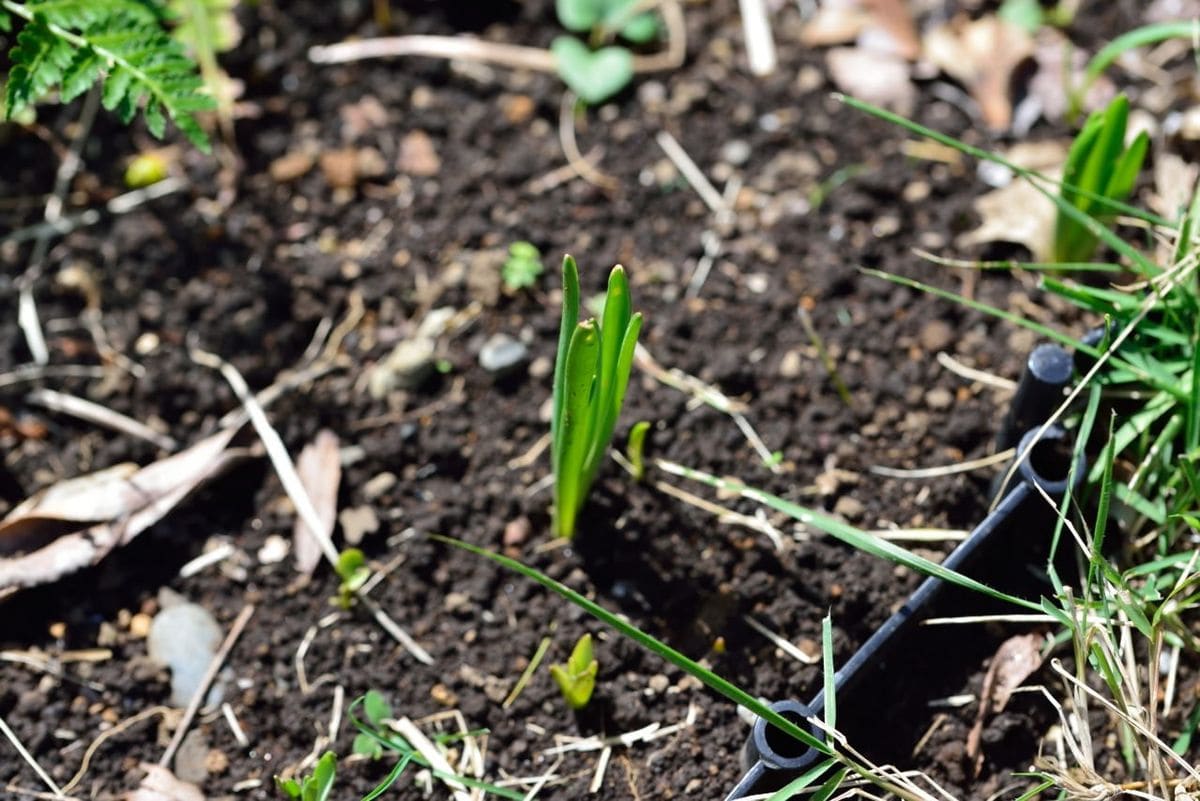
x,y
566,329
577,417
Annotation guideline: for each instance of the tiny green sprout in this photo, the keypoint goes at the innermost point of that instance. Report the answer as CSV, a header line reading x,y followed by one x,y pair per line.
x,y
315,787
523,266
591,374
353,571
635,449
577,678
1099,171
377,710
593,72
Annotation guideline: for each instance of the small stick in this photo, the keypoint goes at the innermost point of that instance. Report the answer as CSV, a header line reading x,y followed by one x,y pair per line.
x,y
335,715
92,412
779,642
12,738
575,160
34,372
218,554
120,204
760,46
423,746
972,374
115,730
724,515
235,725
690,172
947,470
214,666
601,768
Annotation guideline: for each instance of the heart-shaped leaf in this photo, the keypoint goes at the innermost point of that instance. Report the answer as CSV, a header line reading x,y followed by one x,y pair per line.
x,y
594,75
642,29
580,15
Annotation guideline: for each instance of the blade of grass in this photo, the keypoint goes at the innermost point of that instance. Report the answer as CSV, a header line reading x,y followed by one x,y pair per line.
x,y
650,643
570,317
577,418
802,782
828,674
848,534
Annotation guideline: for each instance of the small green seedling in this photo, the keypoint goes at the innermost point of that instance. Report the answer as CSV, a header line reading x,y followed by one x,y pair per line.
x,y
353,571
635,448
593,70
315,787
577,678
1099,169
591,374
377,710
523,267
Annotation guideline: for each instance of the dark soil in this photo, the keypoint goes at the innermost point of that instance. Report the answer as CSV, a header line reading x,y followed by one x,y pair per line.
x,y
247,266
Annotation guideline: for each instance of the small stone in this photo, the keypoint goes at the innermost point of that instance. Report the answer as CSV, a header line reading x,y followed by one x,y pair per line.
x,y
501,354
216,762
517,108
791,364
516,531
443,695
939,398
658,683
408,366
139,626
541,367
417,155
107,636
369,163
357,522
378,485
456,602
936,335
735,152
274,549
496,689
58,630
289,167
849,507
191,760
340,167
184,637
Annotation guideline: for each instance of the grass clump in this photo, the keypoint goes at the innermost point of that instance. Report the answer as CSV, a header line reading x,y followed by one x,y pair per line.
x,y
591,374
314,787
1099,168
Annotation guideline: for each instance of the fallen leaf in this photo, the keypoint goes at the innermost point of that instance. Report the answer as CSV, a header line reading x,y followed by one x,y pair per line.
x,y
874,76
320,469
1048,91
836,23
895,21
79,521
981,55
161,785
1017,212
1016,659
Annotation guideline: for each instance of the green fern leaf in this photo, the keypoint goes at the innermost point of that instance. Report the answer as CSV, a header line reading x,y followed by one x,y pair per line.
x,y
39,60
80,74
5,21
72,44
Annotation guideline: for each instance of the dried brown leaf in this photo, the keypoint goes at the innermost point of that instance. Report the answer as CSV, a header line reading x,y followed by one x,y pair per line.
x,y
895,20
835,24
78,522
981,54
1018,212
320,469
162,785
874,76
1016,659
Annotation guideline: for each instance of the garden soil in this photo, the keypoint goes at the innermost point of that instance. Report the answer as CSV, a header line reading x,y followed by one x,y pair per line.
x,y
453,164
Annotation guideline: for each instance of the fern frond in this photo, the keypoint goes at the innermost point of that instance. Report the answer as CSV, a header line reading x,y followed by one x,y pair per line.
x,y
72,44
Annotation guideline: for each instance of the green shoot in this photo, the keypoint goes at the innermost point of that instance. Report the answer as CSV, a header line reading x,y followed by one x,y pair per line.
x,y
353,571
577,679
828,676
635,449
592,71
377,710
1099,167
523,267
591,374
315,787
119,43
375,730
1138,37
